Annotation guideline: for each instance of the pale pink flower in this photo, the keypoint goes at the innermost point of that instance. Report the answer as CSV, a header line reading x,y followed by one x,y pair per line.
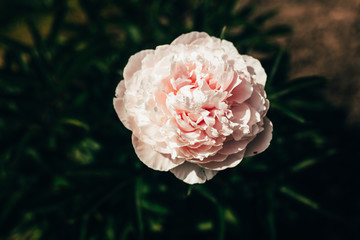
x,y
195,107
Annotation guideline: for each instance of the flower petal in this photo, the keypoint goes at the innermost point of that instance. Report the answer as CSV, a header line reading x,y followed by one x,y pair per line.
x,y
119,105
230,162
134,63
241,92
232,146
261,141
255,68
152,158
192,173
188,38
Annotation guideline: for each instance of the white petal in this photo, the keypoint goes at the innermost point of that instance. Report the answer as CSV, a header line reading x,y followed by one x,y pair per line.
x,y
230,48
119,104
192,173
189,38
152,158
255,68
261,141
134,63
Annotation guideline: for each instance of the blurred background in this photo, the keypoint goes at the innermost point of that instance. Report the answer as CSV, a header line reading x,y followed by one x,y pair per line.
x,y
67,166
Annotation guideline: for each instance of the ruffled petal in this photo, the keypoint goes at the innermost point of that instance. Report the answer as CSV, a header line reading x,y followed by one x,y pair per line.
x,y
261,141
134,63
230,162
189,38
119,105
229,47
152,158
192,173
232,146
241,92
255,68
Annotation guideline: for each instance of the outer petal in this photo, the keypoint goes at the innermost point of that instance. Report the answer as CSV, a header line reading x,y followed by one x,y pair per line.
x,y
119,105
231,161
152,158
134,63
188,38
261,141
232,147
255,68
229,47
241,92
192,173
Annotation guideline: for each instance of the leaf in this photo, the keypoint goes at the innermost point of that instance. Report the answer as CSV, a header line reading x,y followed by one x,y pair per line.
x,y
271,211
138,207
288,112
299,197
222,34
205,226
261,19
246,11
299,84
275,66
81,62
231,217
14,45
278,30
154,207
75,122
36,36
220,210
61,9
84,227
8,205
309,162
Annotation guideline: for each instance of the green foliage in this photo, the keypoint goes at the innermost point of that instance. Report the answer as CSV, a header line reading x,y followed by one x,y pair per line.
x,y
67,166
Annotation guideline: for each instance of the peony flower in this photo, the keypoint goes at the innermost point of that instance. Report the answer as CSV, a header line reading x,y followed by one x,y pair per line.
x,y
194,107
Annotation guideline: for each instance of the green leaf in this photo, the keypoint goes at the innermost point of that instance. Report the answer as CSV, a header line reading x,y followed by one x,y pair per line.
x,y
138,207
275,66
154,207
220,210
309,162
14,45
246,11
75,122
36,36
278,30
261,19
205,226
299,84
299,197
288,112
222,34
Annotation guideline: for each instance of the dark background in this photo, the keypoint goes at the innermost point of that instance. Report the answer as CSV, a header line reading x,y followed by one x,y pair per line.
x,y
67,166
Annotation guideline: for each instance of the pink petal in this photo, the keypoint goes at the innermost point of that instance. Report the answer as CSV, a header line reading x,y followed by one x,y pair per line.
x,y
215,158
232,146
241,92
134,63
192,173
229,47
255,68
189,38
241,114
261,141
257,101
229,162
152,158
119,105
